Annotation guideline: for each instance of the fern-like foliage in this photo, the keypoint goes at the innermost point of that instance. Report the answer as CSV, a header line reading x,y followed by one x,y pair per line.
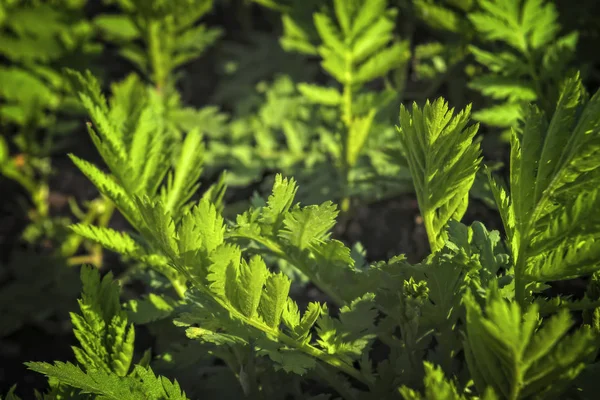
x,y
241,296
130,137
532,63
141,383
275,128
438,387
549,216
356,46
424,300
446,15
522,358
443,160
160,37
187,244
301,237
37,38
102,330
168,31
106,350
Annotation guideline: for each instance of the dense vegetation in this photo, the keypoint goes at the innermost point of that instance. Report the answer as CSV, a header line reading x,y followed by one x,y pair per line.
x,y
299,199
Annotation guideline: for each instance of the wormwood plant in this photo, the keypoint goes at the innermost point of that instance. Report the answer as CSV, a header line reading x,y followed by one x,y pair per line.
x,y
519,52
356,44
133,140
166,30
160,37
105,365
469,321
529,60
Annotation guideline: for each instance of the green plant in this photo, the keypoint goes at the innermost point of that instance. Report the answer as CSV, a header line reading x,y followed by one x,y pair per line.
x,y
531,60
160,37
106,351
471,295
38,38
37,120
220,284
133,140
167,31
355,49
324,139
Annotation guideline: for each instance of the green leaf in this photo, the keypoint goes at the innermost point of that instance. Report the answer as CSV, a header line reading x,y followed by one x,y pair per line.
x,y
117,27
344,14
550,214
274,299
279,202
225,263
106,339
443,159
142,384
150,308
368,16
253,276
437,386
357,136
308,226
509,352
500,88
520,71
119,242
320,95
183,183
351,334
383,62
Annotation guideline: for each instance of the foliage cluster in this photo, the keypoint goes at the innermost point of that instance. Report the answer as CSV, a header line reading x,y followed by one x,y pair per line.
x,y
320,131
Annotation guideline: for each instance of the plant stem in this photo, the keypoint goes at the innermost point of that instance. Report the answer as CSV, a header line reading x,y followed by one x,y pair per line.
x,y
91,259
347,118
159,75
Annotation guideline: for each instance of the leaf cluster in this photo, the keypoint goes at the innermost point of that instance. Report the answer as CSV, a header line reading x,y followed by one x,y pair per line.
x,y
530,63
38,39
106,353
168,31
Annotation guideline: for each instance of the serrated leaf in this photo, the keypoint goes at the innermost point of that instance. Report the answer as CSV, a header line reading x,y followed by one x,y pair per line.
x,y
443,160
253,276
306,226
119,242
274,299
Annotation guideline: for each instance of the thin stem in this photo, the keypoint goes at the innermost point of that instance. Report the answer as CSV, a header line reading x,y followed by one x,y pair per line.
x,y
91,259
348,118
153,33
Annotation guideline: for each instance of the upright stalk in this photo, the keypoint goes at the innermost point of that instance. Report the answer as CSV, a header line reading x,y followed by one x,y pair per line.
x,y
347,117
